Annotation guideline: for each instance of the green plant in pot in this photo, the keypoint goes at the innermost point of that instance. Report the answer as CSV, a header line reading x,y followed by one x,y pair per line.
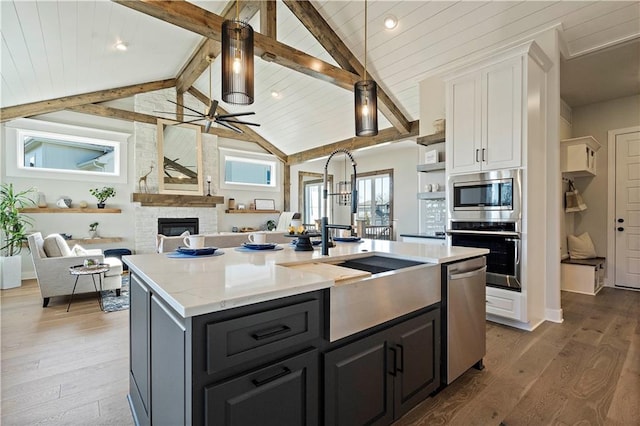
x,y
13,226
103,194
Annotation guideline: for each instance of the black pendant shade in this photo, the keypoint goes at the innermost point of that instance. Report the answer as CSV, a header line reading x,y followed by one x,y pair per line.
x,y
237,62
366,107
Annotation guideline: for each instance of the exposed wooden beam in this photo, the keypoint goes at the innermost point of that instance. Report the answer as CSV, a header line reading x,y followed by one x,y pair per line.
x,y
121,114
387,135
197,64
179,106
326,36
250,134
193,18
58,104
268,19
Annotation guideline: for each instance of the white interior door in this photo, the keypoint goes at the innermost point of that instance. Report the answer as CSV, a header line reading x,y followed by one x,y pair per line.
x,y
627,268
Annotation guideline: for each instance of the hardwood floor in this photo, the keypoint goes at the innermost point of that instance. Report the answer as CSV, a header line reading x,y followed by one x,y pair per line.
x,y
584,371
63,368
72,368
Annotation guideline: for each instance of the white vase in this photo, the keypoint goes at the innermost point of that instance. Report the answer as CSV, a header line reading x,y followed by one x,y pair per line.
x,y
11,275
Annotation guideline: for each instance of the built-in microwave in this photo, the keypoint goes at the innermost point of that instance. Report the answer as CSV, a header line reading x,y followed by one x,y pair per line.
x,y
494,195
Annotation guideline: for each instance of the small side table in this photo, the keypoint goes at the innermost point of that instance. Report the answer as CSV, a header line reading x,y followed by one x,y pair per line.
x,y
89,270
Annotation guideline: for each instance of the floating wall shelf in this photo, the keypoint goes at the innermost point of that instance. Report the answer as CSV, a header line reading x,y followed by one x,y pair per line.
x,y
70,210
431,139
251,211
174,200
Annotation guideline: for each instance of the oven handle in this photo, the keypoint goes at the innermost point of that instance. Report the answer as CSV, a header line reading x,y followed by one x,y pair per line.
x,y
517,253
488,233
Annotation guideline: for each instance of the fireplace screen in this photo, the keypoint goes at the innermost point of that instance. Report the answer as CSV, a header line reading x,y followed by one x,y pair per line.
x,y
175,226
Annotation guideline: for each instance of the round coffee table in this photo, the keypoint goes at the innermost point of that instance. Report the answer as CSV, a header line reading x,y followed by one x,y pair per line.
x,y
89,270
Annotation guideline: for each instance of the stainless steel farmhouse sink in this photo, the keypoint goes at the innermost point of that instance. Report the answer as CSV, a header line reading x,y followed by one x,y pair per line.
x,y
381,289
377,264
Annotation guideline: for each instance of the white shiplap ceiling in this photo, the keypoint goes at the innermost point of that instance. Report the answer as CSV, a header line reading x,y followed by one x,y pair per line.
x,y
55,49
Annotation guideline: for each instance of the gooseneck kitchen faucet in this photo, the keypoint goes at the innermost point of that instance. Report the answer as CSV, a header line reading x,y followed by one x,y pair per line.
x,y
325,195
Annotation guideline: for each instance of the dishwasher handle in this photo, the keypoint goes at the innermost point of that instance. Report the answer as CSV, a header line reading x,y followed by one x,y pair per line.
x,y
467,274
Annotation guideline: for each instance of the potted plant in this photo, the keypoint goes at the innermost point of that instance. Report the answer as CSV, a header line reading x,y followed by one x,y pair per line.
x,y
13,227
93,230
103,194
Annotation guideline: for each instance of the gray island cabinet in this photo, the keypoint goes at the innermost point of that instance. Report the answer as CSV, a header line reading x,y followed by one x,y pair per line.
x,y
240,339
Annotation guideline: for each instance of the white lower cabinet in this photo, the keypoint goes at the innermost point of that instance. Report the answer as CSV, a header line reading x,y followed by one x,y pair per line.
x,y
505,303
583,276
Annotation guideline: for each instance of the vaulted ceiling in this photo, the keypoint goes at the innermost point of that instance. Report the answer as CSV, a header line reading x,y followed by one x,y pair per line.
x,y
61,55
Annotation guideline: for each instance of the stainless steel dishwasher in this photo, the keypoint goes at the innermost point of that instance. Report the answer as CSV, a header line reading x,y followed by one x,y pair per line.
x,y
466,310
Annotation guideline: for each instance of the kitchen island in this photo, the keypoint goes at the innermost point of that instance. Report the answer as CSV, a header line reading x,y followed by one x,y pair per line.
x,y
248,337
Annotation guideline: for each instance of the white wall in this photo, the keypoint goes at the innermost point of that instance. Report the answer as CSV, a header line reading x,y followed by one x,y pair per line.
x,y
596,120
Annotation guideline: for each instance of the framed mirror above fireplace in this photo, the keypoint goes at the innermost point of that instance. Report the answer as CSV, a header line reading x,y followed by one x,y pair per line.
x,y
179,158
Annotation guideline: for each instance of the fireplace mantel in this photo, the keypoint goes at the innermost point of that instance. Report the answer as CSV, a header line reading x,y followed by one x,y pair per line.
x,y
174,200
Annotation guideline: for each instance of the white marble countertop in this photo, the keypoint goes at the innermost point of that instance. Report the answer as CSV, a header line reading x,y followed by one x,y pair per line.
x,y
195,286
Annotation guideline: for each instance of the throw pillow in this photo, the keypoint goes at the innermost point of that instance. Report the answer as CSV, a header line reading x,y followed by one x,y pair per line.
x,y
55,246
581,247
161,238
78,250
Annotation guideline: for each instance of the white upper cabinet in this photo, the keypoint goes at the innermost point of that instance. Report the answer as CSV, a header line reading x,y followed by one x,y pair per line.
x,y
484,118
578,156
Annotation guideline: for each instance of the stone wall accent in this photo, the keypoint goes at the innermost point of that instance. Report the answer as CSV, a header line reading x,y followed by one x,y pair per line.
x,y
146,153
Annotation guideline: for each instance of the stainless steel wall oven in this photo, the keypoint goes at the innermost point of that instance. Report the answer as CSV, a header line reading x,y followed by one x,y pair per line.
x,y
485,212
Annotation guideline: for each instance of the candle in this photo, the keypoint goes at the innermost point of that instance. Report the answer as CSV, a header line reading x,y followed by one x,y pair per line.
x,y
208,179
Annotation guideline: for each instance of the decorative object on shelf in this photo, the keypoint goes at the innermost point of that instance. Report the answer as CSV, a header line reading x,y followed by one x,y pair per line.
x,y
208,186
237,61
431,156
265,204
242,207
142,182
42,200
83,204
13,227
232,204
63,202
93,230
103,194
366,96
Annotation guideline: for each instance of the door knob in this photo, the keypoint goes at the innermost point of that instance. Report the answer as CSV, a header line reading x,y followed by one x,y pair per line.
x,y
620,220
620,228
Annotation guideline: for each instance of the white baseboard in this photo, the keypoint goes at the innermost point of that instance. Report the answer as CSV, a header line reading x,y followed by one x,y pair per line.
x,y
554,315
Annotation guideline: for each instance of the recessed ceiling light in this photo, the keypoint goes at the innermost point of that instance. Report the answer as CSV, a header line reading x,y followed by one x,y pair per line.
x,y
275,94
122,46
390,22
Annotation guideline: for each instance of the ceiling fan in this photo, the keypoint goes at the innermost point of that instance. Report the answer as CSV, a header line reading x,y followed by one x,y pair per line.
x,y
210,116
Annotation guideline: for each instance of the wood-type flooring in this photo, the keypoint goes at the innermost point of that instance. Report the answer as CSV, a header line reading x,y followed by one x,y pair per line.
x,y
62,368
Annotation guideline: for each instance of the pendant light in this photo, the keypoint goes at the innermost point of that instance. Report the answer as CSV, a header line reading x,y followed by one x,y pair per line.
x,y
237,61
366,96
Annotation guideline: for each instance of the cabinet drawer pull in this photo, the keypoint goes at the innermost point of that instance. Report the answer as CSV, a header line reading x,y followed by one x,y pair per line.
x,y
270,332
477,152
394,361
400,358
483,159
257,383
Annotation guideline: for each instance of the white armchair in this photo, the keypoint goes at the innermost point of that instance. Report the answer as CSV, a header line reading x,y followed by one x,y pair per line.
x,y
52,272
